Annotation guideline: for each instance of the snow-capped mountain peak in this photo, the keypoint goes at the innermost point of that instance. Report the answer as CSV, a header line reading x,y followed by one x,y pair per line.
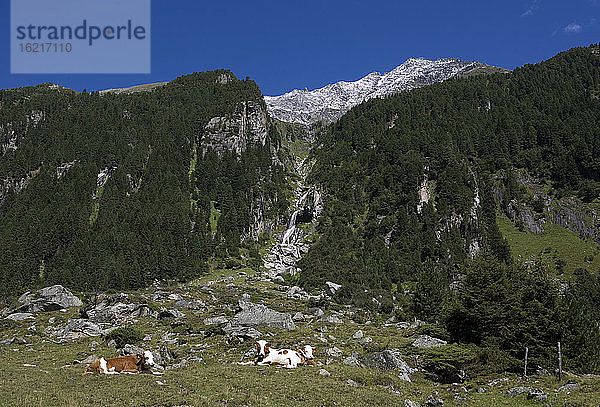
x,y
330,102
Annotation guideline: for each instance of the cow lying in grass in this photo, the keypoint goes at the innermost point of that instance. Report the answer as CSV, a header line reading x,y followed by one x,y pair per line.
x,y
266,355
132,364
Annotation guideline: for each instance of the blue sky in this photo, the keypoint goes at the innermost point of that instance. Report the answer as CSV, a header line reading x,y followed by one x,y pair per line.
x,y
287,44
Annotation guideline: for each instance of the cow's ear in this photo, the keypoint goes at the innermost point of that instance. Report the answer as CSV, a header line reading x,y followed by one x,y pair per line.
x,y
140,360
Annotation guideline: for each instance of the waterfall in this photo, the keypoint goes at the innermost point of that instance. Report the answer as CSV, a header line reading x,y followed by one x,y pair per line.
x,y
291,228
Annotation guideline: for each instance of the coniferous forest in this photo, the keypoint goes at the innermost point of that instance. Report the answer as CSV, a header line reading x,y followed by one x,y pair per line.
x,y
444,259
120,190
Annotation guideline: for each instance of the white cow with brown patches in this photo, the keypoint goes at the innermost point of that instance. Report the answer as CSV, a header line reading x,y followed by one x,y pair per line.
x,y
288,358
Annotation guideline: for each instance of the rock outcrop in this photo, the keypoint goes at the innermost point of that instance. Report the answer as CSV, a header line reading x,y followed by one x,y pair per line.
x,y
387,360
48,299
426,341
119,312
254,315
234,133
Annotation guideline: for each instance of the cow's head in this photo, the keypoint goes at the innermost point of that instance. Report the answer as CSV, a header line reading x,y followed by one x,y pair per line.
x,y
262,349
308,351
145,360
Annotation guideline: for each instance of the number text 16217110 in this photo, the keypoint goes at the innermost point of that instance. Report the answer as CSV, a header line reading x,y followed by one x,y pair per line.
x,y
56,47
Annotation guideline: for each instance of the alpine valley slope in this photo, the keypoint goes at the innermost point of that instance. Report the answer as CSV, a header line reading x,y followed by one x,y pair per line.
x,y
330,102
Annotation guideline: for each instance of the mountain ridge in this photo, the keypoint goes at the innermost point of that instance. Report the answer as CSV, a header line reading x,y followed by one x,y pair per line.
x,y
330,102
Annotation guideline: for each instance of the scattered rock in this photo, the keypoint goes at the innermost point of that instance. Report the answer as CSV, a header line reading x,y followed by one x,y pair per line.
x,y
79,328
537,394
410,403
318,312
351,361
297,292
358,335
434,400
331,288
365,340
497,381
118,313
334,352
131,350
569,386
256,315
481,390
20,316
351,383
216,320
324,372
388,360
426,341
48,299
244,302
457,388
298,317
515,391
417,324
169,338
242,332
331,319
170,314
13,341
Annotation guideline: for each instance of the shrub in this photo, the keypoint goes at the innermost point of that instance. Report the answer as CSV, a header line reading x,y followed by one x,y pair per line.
x,y
125,335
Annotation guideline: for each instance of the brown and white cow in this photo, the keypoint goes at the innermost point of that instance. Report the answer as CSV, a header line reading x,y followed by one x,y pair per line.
x,y
132,364
287,357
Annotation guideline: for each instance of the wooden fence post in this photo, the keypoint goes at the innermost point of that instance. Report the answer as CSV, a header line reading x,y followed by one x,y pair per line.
x,y
559,363
526,355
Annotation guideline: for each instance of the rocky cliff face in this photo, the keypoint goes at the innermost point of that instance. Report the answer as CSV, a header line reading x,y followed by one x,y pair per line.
x,y
233,133
332,101
533,214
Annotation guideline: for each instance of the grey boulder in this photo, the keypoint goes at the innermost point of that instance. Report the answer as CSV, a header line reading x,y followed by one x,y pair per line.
x,y
215,320
119,312
257,315
569,386
20,316
170,314
426,341
131,350
80,328
241,332
47,299
387,360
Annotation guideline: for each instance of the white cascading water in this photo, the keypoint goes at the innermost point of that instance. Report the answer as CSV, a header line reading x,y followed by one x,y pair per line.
x,y
292,223
291,228
282,256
